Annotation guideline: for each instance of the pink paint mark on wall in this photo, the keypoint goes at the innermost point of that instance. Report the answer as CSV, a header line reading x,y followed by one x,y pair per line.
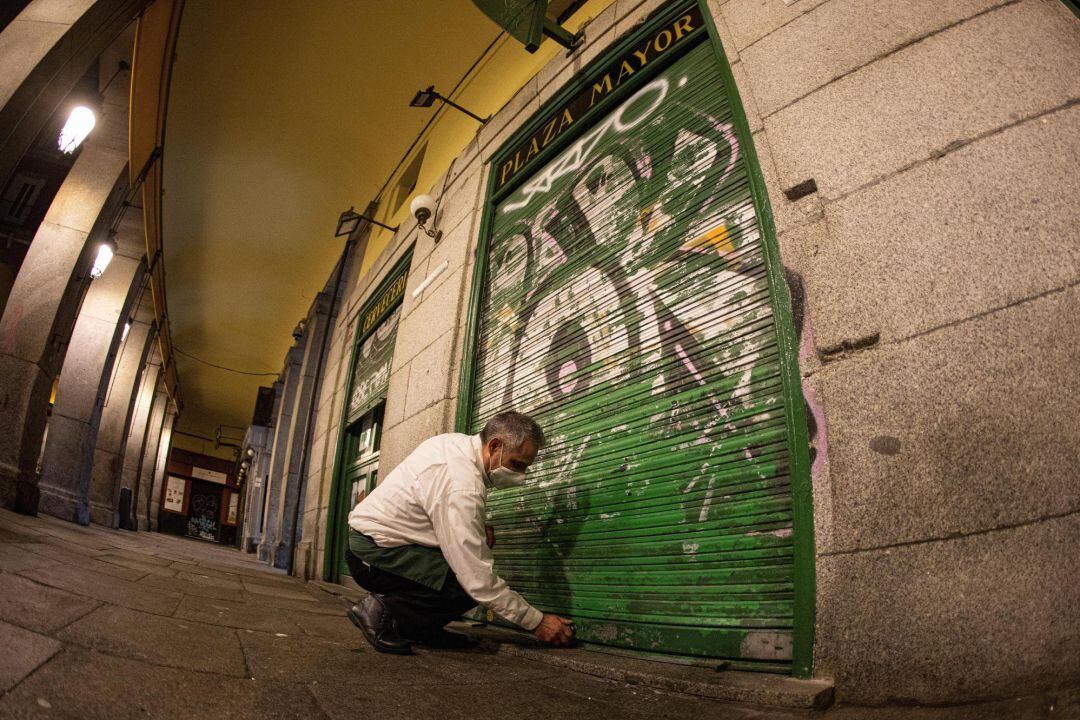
x,y
819,441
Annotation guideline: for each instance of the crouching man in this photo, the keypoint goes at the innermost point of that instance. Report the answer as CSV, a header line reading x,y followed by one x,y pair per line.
x,y
419,545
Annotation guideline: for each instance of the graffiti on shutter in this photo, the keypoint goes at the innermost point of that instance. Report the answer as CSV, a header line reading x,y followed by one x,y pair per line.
x,y
627,308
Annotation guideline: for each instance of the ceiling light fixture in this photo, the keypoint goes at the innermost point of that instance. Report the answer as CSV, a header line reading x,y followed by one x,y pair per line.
x,y
350,219
104,256
79,124
426,98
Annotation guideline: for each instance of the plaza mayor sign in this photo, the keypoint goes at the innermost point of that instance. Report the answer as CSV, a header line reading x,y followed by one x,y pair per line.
x,y
660,43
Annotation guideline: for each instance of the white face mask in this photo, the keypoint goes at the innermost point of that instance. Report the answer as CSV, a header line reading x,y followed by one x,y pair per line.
x,y
502,477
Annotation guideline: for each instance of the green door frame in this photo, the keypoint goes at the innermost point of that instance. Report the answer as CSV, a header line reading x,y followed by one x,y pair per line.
x,y
333,509
798,442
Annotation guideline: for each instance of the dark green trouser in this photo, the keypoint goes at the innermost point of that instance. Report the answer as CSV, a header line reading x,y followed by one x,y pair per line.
x,y
415,583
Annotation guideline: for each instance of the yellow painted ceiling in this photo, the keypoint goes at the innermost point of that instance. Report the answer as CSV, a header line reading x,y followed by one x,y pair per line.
x,y
281,115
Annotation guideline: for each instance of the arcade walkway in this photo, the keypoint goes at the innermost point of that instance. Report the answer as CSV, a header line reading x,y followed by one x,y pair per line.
x,y
98,623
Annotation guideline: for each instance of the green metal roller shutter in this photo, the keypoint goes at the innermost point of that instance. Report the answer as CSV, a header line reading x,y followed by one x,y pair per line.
x,y
626,306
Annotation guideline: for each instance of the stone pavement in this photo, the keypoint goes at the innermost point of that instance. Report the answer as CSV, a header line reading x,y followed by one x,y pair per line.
x,y
98,623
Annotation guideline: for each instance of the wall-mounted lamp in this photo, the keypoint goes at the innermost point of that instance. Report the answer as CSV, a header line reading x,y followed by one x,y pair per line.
x,y
104,256
350,219
423,207
79,124
426,98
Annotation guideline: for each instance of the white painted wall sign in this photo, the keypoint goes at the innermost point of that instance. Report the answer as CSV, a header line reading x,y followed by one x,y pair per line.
x,y
211,475
174,494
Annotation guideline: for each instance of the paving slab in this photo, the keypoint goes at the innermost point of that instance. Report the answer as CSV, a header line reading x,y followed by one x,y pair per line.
x,y
178,586
451,702
658,703
291,591
329,627
23,652
14,558
145,568
9,534
236,615
159,640
197,569
39,607
68,558
84,684
332,606
218,581
105,588
143,557
285,657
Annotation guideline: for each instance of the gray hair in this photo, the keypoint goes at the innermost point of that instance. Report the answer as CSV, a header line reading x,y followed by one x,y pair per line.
x,y
514,429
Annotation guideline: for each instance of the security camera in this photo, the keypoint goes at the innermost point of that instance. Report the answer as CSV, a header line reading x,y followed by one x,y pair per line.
x,y
422,207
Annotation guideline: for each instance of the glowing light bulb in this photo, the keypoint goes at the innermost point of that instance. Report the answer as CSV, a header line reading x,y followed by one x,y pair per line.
x,y
79,124
104,256
127,329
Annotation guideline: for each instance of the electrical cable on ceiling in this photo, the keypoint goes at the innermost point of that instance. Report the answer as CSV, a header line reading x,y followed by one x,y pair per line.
x,y
222,367
436,114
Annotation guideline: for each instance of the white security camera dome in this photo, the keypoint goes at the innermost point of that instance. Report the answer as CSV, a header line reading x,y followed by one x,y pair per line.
x,y
422,208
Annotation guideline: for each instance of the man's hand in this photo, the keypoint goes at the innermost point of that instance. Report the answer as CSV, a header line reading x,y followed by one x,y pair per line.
x,y
490,532
554,630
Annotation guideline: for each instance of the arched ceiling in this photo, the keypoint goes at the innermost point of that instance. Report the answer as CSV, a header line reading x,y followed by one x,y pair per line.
x,y
281,115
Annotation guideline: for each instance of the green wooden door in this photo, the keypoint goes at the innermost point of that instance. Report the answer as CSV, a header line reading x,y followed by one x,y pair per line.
x,y
359,475
627,306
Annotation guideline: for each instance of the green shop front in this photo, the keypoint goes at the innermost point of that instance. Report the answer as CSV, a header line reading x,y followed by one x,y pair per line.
x,y
629,295
357,465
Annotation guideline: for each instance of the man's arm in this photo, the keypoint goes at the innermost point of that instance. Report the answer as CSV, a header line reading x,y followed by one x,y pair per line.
x,y
457,518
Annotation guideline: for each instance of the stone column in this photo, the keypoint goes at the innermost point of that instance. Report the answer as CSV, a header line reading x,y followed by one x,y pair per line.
x,y
290,380
148,460
144,403
161,459
44,301
116,416
84,383
292,489
256,439
258,507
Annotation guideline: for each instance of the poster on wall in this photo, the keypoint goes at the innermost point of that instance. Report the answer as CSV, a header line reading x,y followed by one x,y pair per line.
x,y
234,502
174,494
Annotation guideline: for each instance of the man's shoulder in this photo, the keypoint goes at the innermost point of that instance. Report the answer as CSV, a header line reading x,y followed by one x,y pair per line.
x,y
446,446
456,453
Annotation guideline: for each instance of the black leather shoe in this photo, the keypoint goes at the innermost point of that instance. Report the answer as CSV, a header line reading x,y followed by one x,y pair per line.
x,y
446,640
378,626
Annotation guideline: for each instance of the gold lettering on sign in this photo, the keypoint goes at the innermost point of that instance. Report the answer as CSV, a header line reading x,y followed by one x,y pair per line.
x,y
604,86
664,35
619,70
388,298
683,27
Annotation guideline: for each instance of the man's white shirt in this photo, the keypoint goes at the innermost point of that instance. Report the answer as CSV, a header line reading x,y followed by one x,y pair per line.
x,y
436,497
